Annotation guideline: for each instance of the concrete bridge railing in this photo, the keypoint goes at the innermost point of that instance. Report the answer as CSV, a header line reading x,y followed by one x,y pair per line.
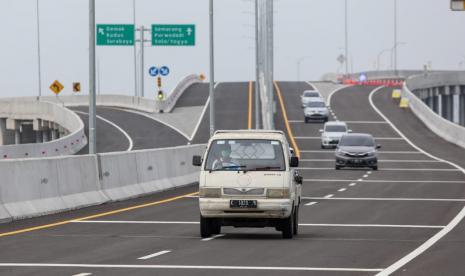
x,y
438,99
130,102
38,186
43,116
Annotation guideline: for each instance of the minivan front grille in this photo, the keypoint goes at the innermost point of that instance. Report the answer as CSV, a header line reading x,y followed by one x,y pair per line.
x,y
244,191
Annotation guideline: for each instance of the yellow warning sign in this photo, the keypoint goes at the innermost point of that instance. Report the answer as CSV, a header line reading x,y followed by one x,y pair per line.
x,y
396,94
56,87
76,87
403,103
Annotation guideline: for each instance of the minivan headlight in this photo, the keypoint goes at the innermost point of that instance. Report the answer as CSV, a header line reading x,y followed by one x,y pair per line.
x,y
278,193
209,192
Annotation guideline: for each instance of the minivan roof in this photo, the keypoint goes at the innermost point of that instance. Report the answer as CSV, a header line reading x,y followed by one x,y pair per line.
x,y
250,134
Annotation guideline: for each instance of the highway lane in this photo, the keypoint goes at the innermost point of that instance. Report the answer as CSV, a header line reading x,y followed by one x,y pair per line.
x,y
371,220
142,132
373,194
231,110
445,257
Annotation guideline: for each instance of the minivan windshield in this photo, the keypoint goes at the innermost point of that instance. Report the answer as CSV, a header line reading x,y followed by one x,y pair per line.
x,y
339,128
357,141
315,104
245,155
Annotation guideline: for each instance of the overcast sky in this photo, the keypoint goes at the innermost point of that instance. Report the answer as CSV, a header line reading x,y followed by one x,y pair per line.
x,y
303,28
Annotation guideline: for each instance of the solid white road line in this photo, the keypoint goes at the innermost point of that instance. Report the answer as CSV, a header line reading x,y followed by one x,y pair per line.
x,y
134,222
366,122
380,152
151,118
213,237
386,169
300,224
131,144
387,199
311,203
372,225
454,222
379,160
82,274
295,121
319,138
154,255
412,255
201,116
386,181
205,267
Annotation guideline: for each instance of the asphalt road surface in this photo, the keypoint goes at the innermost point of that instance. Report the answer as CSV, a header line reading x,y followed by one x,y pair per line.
x,y
353,221
120,130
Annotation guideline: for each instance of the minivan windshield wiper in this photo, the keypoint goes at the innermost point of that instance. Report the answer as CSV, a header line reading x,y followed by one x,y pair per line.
x,y
268,168
232,167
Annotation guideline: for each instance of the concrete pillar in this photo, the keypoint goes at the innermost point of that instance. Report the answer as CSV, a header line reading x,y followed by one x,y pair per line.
x,y
38,136
456,105
430,101
45,135
438,103
54,134
2,131
462,108
17,136
448,107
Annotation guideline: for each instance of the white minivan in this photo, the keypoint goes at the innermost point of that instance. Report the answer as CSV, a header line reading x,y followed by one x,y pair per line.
x,y
247,179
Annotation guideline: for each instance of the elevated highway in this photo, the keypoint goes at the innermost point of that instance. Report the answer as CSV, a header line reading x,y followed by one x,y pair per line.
x,y
405,218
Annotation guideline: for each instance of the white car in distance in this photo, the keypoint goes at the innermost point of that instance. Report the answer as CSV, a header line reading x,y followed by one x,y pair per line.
x,y
308,95
332,133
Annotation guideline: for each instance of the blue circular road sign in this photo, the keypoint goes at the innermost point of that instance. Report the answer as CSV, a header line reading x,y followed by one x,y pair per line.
x,y
153,71
164,71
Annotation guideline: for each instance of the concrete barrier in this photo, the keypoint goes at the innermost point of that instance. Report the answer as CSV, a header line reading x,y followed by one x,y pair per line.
x,y
34,187
23,109
449,131
127,175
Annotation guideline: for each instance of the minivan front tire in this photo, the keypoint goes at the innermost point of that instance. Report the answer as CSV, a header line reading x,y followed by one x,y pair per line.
x,y
208,227
287,227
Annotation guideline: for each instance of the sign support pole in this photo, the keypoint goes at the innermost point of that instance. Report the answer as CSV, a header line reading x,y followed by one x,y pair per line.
x,y
135,48
142,40
212,73
38,50
92,97
257,70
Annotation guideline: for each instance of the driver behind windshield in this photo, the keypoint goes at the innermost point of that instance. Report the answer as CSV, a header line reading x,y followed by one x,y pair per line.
x,y
224,159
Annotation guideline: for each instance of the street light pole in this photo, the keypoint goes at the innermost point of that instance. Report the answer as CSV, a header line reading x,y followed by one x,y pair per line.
x,y
395,37
346,37
212,72
135,49
379,57
92,96
257,71
38,50
299,61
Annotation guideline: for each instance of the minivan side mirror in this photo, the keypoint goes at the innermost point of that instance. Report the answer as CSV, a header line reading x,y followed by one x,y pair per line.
x,y
294,162
197,160
378,146
298,179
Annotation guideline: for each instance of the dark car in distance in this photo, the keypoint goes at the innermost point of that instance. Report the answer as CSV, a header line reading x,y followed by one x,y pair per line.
x,y
357,150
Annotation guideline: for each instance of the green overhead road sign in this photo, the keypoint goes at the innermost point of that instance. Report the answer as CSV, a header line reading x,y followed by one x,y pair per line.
x,y
173,35
115,35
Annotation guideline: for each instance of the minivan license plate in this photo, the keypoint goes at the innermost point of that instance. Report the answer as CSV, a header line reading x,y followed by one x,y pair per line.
x,y
243,203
